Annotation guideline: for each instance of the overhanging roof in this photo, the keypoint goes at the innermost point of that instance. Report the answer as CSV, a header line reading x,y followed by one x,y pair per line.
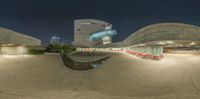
x,y
11,37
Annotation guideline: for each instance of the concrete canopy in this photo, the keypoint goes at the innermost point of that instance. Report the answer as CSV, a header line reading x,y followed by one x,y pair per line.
x,y
11,37
164,32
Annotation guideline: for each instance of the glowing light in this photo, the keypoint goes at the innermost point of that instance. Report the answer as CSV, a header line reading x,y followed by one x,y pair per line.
x,y
10,56
170,42
161,43
86,23
16,56
19,50
7,45
106,38
192,43
108,27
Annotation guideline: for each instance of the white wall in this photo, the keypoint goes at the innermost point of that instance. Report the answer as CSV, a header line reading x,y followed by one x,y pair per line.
x,y
19,50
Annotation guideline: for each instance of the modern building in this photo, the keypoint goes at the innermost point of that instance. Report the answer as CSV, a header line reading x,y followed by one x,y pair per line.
x,y
15,43
91,32
153,40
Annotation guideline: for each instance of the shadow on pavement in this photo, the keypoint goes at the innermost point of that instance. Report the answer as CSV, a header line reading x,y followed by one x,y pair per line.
x,y
75,65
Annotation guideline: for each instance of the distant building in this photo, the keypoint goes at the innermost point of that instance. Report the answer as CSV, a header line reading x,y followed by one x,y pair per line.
x,y
91,33
55,40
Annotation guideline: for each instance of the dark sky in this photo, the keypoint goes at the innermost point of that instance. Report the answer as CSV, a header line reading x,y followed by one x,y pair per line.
x,y
46,18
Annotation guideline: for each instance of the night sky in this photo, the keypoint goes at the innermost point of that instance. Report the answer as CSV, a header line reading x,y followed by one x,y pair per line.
x,y
46,18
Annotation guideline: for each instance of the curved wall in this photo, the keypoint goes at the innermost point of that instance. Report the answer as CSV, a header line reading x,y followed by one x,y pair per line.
x,y
12,37
14,43
163,32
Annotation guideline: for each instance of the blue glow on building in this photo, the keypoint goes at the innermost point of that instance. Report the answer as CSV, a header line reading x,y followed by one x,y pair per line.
x,y
102,34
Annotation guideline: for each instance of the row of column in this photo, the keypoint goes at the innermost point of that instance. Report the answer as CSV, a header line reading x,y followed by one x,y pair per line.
x,y
148,51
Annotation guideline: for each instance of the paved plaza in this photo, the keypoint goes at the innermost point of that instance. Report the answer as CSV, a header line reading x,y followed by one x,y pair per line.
x,y
123,76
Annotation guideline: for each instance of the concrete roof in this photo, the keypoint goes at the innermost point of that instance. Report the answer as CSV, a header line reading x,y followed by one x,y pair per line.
x,y
163,32
11,37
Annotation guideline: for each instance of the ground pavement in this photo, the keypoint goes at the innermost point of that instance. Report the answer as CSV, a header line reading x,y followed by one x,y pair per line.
x,y
123,76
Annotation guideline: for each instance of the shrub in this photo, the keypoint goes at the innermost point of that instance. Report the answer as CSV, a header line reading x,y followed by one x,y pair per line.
x,y
35,52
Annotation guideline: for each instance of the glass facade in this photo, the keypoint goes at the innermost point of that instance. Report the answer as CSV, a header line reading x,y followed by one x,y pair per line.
x,y
148,51
155,50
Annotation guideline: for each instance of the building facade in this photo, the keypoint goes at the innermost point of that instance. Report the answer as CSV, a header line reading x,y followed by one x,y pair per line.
x,y
86,29
151,41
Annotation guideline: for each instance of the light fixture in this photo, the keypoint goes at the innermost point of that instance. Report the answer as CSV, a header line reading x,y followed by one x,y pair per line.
x,y
170,42
161,43
192,43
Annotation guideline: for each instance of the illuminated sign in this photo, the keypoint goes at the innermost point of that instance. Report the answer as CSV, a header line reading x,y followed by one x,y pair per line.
x,y
102,34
